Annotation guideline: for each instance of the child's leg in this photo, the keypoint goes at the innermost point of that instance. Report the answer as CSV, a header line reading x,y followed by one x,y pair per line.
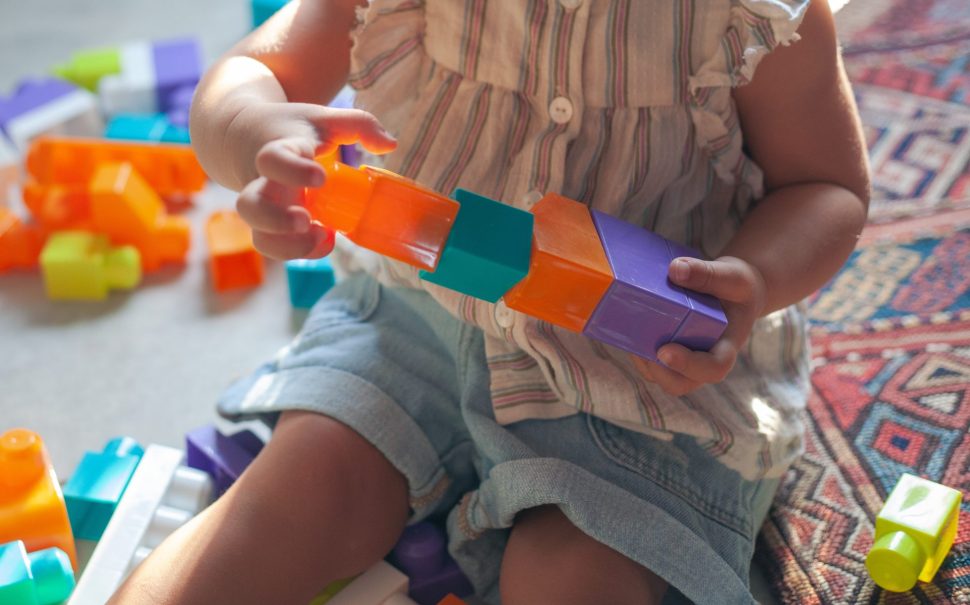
x,y
318,504
549,560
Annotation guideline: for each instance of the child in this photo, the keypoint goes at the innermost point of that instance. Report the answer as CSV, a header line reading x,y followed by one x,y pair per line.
x,y
570,472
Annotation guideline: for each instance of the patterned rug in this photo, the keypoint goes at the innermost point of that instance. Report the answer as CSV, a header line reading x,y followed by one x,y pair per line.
x,y
891,332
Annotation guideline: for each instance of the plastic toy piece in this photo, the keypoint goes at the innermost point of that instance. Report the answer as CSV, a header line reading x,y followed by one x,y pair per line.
x,y
308,280
87,67
59,207
222,458
569,273
642,310
44,577
422,554
153,127
451,600
168,169
49,106
264,9
178,68
96,487
383,212
233,260
20,244
152,76
125,207
78,265
488,249
706,321
161,497
31,505
379,585
9,168
914,531
330,591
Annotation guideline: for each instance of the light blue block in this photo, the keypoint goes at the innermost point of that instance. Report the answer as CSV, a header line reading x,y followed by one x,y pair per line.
x,y
43,577
488,248
96,487
309,280
154,127
264,9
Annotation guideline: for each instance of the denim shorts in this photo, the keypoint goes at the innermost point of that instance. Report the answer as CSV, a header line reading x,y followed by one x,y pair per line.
x,y
412,380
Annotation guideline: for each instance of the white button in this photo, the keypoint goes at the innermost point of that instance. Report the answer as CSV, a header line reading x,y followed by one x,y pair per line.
x,y
561,110
504,316
570,4
531,198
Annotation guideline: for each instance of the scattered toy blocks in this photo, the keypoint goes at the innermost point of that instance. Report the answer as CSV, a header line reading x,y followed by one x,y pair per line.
x,y
87,67
264,9
488,248
96,487
49,106
78,265
168,169
44,577
383,212
222,458
161,497
308,280
233,260
379,585
125,207
31,505
569,272
153,127
20,244
422,554
152,77
642,310
914,531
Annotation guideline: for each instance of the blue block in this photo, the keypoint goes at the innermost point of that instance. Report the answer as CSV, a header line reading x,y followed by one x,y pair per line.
x,y
146,127
309,280
43,577
264,9
93,492
488,248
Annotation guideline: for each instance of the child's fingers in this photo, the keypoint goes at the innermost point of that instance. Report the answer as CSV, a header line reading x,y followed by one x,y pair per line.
x,y
272,208
699,366
314,243
346,126
290,162
672,382
728,279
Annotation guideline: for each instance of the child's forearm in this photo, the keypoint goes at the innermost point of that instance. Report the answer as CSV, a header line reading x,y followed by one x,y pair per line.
x,y
798,237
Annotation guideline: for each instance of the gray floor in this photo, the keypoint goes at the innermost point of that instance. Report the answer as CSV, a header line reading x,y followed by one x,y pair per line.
x,y
149,363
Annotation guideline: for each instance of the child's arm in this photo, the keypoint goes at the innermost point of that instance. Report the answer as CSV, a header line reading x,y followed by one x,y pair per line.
x,y
800,125
258,120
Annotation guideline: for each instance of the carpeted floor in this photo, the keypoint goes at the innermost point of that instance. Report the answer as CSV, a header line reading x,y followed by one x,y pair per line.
x,y
891,334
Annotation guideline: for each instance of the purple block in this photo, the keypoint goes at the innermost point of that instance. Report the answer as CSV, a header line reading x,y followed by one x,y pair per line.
x,y
706,321
178,64
31,94
181,102
422,555
223,458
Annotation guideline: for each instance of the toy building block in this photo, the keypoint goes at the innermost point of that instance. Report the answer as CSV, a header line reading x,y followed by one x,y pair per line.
x,y
383,212
9,168
180,102
706,321
233,260
44,577
308,280
914,531
161,497
85,68
569,272
178,68
96,487
31,505
168,169
488,248
58,207
20,244
642,310
153,127
264,9
79,265
152,76
379,585
451,600
331,591
222,458
422,554
49,106
124,207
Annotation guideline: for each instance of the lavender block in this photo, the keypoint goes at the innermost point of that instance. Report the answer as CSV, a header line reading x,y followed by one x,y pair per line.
x,y
223,458
422,555
30,95
706,321
178,64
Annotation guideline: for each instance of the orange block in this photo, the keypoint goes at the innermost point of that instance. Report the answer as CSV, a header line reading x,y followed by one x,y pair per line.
x,y
31,505
383,212
20,244
451,600
59,207
233,261
125,208
171,170
568,271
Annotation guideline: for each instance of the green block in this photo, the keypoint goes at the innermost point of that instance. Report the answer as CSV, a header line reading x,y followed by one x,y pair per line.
x,y
87,67
488,248
78,265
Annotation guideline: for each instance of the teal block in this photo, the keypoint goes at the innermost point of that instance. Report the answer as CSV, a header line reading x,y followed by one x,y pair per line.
x,y
309,280
43,577
488,248
264,9
154,127
93,492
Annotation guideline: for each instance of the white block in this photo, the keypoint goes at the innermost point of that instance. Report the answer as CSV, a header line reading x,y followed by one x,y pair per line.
x,y
161,496
133,89
382,584
73,114
9,169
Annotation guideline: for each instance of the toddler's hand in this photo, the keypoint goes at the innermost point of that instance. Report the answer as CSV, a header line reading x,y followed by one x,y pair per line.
x,y
741,290
294,135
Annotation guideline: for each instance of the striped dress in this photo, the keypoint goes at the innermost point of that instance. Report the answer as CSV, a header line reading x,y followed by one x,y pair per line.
x,y
626,106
